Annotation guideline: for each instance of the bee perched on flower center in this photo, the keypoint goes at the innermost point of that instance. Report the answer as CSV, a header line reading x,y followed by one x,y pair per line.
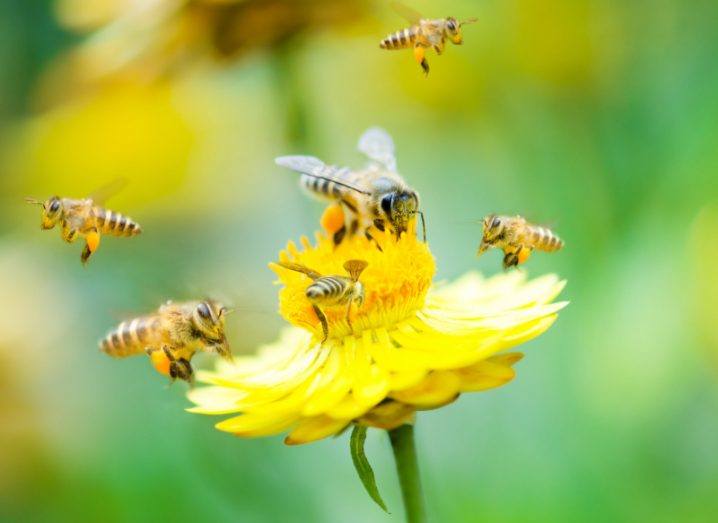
x,y
375,198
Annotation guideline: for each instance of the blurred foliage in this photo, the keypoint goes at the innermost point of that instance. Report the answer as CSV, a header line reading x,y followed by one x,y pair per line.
x,y
597,117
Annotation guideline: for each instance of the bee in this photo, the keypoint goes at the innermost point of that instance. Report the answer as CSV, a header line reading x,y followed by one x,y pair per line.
x,y
84,218
171,336
424,33
327,291
517,238
373,197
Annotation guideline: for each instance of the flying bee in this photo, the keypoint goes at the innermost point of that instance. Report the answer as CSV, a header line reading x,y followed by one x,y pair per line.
x,y
424,33
171,336
517,238
373,197
84,218
327,291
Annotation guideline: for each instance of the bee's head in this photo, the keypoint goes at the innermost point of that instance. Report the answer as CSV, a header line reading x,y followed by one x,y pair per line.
x,y
208,320
453,30
493,229
51,211
399,207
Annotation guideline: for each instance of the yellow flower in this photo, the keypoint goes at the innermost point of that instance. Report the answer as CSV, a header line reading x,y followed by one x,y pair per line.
x,y
413,346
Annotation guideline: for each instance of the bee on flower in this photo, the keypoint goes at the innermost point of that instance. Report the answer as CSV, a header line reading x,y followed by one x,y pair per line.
x,y
333,290
372,199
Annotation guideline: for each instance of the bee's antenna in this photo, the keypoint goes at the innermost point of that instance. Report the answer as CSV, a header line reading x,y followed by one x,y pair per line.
x,y
34,201
468,21
423,223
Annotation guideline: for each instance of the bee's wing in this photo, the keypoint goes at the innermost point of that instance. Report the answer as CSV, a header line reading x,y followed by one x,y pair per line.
x,y
409,13
102,194
378,146
312,166
355,268
300,268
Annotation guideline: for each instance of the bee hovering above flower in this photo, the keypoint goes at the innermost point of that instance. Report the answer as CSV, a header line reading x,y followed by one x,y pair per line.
x,y
517,238
424,33
327,291
375,197
86,218
171,336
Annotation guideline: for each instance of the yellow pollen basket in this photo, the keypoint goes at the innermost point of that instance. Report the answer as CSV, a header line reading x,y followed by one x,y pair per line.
x,y
395,281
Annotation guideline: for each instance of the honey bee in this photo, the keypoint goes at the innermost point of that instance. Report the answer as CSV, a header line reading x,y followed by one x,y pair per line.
x,y
373,197
517,238
424,33
327,291
84,218
171,336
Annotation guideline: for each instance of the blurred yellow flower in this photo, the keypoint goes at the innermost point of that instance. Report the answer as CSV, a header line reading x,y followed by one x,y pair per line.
x,y
413,347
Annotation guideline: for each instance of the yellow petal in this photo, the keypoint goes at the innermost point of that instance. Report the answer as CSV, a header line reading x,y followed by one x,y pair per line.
x,y
253,425
389,415
312,429
438,388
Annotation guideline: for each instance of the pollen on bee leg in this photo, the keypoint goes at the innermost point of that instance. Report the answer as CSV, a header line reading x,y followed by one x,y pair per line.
x,y
93,240
332,219
160,362
524,254
419,54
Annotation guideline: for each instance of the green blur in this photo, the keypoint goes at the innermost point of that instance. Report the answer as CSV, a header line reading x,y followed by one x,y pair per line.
x,y
598,118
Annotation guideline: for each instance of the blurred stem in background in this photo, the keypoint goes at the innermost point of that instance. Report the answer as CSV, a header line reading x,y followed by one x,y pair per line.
x,y
407,467
290,92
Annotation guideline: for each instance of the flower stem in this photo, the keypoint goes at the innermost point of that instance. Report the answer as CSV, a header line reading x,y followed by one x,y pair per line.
x,y
407,467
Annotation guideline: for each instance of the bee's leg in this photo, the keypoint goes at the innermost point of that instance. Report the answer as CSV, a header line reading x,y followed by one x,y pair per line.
x,y
349,315
339,235
439,48
69,234
511,259
372,239
179,368
379,224
323,321
419,56
92,242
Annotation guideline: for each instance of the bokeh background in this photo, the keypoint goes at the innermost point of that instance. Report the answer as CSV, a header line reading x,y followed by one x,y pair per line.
x,y
598,117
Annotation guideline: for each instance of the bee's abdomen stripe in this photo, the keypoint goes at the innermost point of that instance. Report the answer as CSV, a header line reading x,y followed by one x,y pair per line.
x,y
400,39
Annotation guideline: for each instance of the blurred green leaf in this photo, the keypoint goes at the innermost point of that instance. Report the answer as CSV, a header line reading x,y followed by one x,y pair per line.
x,y
361,464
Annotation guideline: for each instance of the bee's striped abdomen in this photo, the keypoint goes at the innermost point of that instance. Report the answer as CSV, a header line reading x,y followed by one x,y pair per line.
x,y
130,337
544,239
327,289
115,224
400,40
321,187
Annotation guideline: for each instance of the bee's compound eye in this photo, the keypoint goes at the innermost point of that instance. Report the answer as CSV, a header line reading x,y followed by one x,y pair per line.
x,y
495,222
451,25
203,310
54,206
386,203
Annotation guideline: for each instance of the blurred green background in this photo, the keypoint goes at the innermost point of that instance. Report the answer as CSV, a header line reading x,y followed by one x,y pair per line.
x,y
598,117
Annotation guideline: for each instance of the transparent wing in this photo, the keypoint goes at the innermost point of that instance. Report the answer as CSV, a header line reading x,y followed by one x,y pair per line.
x,y
378,146
312,166
101,195
406,12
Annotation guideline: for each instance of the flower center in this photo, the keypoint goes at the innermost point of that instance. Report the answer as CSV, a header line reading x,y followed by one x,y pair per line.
x,y
395,281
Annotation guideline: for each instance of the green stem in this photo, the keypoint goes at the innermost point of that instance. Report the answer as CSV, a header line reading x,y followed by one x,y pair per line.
x,y
407,467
